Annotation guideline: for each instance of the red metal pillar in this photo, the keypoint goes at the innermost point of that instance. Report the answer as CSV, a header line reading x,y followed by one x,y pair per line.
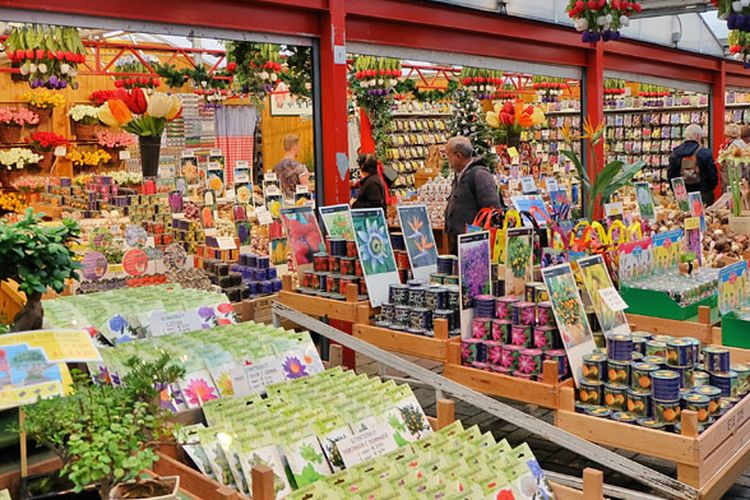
x,y
595,108
718,99
334,121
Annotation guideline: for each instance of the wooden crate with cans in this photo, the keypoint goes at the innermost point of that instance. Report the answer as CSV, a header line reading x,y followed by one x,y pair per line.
x,y
351,309
433,346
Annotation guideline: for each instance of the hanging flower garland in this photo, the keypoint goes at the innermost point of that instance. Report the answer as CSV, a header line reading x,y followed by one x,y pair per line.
x,y
379,75
735,12
601,19
257,67
549,89
483,83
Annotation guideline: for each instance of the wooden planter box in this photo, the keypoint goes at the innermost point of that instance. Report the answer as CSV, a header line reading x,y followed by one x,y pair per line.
x,y
407,343
710,462
351,310
545,394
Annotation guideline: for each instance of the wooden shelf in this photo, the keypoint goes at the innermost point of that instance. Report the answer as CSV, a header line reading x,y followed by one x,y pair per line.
x,y
710,462
407,343
658,109
699,327
51,211
350,310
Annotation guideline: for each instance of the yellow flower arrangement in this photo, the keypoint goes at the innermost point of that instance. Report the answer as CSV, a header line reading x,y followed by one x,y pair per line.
x,y
43,99
88,158
12,202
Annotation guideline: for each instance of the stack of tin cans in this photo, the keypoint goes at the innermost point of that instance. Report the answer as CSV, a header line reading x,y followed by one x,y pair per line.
x,y
651,379
412,307
685,290
514,335
334,270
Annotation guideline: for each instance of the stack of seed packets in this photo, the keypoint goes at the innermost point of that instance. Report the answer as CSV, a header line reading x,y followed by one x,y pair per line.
x,y
450,464
129,313
305,429
232,361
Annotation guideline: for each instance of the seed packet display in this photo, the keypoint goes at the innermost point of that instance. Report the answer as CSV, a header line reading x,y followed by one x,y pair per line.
x,y
667,250
519,247
733,287
636,261
596,277
198,387
216,457
188,437
420,240
681,194
306,460
474,273
189,168
375,252
645,201
337,221
215,180
692,242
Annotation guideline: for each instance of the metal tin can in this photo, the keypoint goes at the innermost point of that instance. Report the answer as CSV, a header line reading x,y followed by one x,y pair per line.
x,y
484,306
696,349
333,282
599,412
656,348
561,358
451,279
398,294
387,312
421,319
348,280
714,394
501,330
510,356
618,372
445,314
640,379
351,248
662,338
307,279
624,417
743,378
401,315
655,360
544,314
667,411
417,296
358,268
334,264
636,357
686,376
320,262
666,385
679,353
651,423
437,278
530,290
699,404
322,281
716,359
530,361
481,328
542,295
436,297
615,396
500,369
402,259
494,352
639,403
523,313
726,381
582,407
727,404
447,264
619,347
362,285
454,297
347,266
700,378
502,307
594,367
337,247
469,351
678,427
590,392
545,337
520,335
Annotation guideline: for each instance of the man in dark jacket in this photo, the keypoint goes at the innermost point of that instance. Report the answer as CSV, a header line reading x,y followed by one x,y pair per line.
x,y
474,188
709,176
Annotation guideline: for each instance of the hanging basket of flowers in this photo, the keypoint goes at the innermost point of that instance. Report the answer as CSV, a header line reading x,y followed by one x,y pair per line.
x,y
601,19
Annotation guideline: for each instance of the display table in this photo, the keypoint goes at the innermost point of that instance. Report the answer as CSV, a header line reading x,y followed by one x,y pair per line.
x,y
544,393
710,461
421,346
351,310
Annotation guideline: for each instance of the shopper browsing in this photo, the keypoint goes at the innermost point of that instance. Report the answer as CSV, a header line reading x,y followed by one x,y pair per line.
x,y
371,188
695,164
289,171
473,188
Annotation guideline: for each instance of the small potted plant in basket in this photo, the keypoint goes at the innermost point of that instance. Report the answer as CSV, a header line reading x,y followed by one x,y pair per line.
x,y
114,141
43,102
12,120
105,435
85,121
44,143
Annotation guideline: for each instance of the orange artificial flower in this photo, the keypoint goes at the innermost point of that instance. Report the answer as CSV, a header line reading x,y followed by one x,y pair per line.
x,y
120,111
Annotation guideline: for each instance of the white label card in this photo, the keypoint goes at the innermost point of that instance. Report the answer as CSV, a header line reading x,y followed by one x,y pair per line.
x,y
61,151
264,217
264,372
164,323
613,299
270,177
366,445
302,189
226,243
528,185
551,184
124,154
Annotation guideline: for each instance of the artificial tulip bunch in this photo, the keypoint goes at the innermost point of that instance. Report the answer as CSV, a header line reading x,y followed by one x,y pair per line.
x,y
377,74
515,116
601,19
739,46
140,113
133,82
653,94
44,142
549,90
735,12
47,55
483,83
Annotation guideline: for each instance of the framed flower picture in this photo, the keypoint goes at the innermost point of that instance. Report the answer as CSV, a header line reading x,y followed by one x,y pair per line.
x,y
375,252
474,274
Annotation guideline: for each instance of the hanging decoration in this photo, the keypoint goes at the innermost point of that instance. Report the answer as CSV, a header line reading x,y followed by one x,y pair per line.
x,y
549,89
379,75
653,94
482,83
735,12
47,56
468,121
512,118
298,71
601,19
739,46
612,90
132,65
258,66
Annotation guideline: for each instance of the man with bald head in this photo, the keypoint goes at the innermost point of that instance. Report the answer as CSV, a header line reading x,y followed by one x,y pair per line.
x,y
474,188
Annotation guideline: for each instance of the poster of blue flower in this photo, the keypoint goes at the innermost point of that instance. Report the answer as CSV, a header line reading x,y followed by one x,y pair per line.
x,y
474,273
375,252
420,241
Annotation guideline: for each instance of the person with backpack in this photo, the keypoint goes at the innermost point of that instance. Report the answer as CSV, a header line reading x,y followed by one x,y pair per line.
x,y
695,164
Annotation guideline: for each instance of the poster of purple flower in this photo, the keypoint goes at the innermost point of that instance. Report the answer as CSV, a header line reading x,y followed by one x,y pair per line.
x,y
420,241
375,252
474,273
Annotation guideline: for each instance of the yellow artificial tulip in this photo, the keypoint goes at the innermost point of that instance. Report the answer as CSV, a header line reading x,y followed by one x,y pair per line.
x,y
537,117
106,116
174,108
158,105
492,119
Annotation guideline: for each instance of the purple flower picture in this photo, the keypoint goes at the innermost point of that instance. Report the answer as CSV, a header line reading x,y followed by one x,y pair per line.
x,y
294,368
474,257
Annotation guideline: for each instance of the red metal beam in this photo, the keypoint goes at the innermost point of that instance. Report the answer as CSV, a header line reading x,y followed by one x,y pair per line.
x,y
718,98
595,109
642,52
674,70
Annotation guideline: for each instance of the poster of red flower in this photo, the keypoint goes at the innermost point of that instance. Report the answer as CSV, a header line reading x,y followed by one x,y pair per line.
x,y
303,233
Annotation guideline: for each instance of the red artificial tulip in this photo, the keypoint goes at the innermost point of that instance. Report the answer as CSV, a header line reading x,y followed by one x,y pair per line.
x,y
119,83
231,67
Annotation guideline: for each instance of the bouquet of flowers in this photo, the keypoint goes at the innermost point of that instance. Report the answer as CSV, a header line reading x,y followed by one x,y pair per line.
x,y
17,117
114,140
18,158
125,178
84,114
31,183
12,202
601,19
88,158
139,113
44,142
513,117
43,99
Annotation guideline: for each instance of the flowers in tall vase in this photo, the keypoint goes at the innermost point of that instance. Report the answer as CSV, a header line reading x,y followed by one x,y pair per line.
x,y
139,113
514,117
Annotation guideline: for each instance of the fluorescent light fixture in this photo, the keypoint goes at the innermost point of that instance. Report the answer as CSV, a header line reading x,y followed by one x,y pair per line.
x,y
488,5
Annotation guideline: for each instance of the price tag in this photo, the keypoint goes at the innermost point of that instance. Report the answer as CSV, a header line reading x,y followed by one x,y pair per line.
x,y
216,152
613,209
164,323
270,177
513,184
226,243
528,185
61,151
692,223
512,152
262,373
264,217
124,154
302,189
241,164
366,445
612,298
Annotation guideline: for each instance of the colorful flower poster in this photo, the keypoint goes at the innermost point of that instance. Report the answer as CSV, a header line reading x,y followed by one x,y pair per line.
x,y
733,289
570,316
680,193
560,204
337,220
596,277
304,235
696,208
645,201
474,274
375,252
667,250
533,204
692,243
519,247
420,240
636,261
198,387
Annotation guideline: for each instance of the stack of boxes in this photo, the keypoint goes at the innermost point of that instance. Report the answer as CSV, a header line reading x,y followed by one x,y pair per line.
x,y
252,276
188,233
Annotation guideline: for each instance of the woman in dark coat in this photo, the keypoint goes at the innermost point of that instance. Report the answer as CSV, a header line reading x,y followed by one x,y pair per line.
x,y
371,188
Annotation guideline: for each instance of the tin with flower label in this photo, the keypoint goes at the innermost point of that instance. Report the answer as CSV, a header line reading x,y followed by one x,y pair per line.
x,y
398,294
700,378
401,315
714,394
386,312
624,417
544,314
503,305
334,264
451,279
358,269
618,372
590,392
437,278
322,281
699,404
454,297
594,367
743,378
686,376
338,247
510,356
651,423
542,295
545,337
530,290
655,360
640,379
667,411
436,298
726,381
696,349
656,348
619,347
346,266
523,313
481,328
470,350
530,361
494,352
666,385
615,396
599,412
679,353
402,259
716,359
639,403
417,296
501,330
320,262
561,359
420,319
520,335
308,279
333,282
349,280
351,248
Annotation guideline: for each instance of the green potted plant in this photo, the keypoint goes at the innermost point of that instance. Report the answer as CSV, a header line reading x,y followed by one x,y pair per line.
x,y
37,257
105,435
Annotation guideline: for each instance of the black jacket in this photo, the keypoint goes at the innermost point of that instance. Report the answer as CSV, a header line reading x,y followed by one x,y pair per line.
x,y
705,158
371,193
473,189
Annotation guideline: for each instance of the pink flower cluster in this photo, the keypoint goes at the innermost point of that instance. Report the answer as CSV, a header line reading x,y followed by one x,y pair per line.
x,y
31,183
109,139
17,117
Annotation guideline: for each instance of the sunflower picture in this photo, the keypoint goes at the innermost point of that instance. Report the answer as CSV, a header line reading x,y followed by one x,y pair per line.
x,y
373,242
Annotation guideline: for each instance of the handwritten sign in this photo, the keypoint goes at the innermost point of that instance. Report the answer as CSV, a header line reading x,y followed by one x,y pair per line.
x,y
366,445
264,216
612,298
262,373
226,243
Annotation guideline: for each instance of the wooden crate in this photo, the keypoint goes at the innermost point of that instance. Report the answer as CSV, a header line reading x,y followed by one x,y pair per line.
x,y
700,329
711,461
350,310
544,393
11,301
258,309
406,343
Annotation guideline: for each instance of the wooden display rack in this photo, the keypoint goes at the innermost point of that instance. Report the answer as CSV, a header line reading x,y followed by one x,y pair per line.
x,y
711,461
407,343
545,394
700,329
351,310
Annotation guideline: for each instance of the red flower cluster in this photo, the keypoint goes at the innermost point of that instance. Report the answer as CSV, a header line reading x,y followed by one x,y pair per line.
x,y
373,73
231,67
663,93
623,6
270,65
735,49
21,55
99,97
504,95
549,85
619,91
134,99
479,80
138,82
46,141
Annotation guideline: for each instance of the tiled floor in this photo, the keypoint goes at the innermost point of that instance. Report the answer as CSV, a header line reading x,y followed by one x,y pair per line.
x,y
551,456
